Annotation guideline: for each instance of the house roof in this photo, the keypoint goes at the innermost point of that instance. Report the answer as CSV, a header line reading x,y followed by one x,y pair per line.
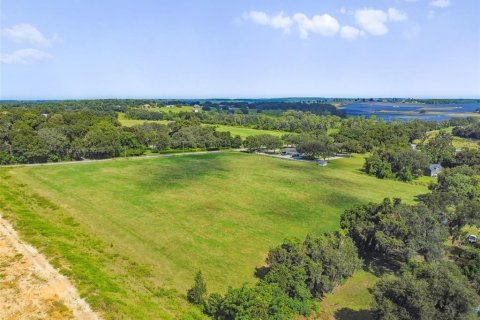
x,y
435,166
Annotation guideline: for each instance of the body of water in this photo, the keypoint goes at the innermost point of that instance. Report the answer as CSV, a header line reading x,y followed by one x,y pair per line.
x,y
407,112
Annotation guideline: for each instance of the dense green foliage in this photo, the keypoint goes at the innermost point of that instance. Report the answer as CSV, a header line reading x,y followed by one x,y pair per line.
x,y
429,292
29,136
198,292
402,163
471,131
313,146
395,231
295,273
440,149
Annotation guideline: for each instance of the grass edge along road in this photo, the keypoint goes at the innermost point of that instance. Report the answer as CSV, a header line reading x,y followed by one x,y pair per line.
x,y
300,197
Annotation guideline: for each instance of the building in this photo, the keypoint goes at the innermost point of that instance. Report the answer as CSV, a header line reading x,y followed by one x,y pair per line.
x,y
435,169
289,151
322,163
472,238
414,146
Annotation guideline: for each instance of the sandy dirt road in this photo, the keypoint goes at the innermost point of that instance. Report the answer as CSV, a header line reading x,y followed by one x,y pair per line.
x,y
30,288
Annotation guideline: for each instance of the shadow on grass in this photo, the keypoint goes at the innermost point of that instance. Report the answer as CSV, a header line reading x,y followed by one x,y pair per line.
x,y
379,266
349,314
261,272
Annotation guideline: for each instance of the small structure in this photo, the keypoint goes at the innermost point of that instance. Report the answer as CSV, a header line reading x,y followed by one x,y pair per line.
x,y
45,115
414,146
435,169
322,163
146,106
195,110
472,238
289,151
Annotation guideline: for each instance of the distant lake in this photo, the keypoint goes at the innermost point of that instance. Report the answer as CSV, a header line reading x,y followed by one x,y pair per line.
x,y
407,112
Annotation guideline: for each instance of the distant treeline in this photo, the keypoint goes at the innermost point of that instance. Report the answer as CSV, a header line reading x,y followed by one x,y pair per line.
x,y
33,136
125,104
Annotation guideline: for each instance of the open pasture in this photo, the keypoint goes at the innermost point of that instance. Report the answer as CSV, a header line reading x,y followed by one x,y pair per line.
x,y
129,230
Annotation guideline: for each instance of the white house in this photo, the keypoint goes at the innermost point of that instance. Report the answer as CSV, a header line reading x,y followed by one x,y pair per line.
x,y
472,238
435,169
289,151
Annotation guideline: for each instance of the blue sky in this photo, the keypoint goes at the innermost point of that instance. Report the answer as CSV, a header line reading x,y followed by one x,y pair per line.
x,y
55,49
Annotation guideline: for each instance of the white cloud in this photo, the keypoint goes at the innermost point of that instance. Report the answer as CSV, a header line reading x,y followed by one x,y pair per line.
x,y
277,21
25,32
440,3
324,24
349,32
258,17
23,56
396,15
431,14
372,20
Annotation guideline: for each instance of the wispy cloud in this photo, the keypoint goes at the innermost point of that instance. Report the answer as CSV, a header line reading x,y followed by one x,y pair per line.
x,y
369,21
324,25
26,33
374,21
396,15
440,3
276,21
24,56
350,33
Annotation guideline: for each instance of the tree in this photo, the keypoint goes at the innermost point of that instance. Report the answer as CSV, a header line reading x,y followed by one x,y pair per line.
x,y
395,231
440,149
270,142
455,199
153,135
317,145
402,298
262,301
56,142
402,163
102,141
252,143
198,292
376,166
314,267
430,291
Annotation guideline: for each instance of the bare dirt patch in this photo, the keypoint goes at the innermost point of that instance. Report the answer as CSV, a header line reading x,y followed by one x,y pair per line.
x,y
30,288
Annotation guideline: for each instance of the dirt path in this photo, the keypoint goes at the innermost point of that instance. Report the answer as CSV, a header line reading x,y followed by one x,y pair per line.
x,y
30,288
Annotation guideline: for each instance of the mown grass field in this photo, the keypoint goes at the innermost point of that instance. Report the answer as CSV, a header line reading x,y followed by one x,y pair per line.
x,y
128,231
458,142
241,131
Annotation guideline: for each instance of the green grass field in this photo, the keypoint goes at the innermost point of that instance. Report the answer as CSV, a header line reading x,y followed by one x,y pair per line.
x,y
458,142
241,131
128,230
351,300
